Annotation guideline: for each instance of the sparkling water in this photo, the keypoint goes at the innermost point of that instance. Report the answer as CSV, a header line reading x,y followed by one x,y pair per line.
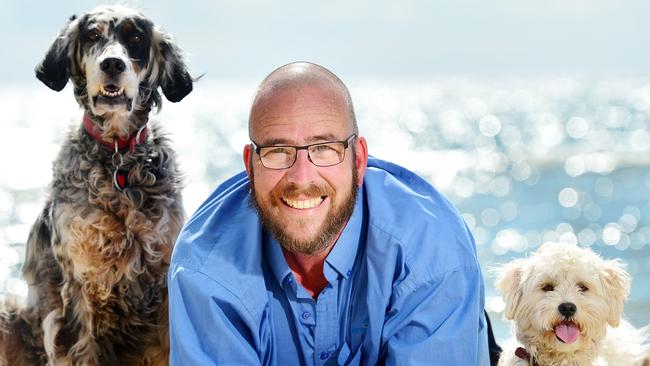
x,y
525,160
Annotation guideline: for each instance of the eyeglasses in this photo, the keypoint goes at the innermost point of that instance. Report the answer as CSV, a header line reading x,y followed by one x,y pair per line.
x,y
322,154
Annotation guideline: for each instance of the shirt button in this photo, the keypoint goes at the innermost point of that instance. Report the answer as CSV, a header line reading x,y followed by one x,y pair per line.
x,y
349,273
306,315
324,355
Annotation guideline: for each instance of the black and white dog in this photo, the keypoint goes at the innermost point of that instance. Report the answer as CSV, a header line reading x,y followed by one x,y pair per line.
x,y
97,256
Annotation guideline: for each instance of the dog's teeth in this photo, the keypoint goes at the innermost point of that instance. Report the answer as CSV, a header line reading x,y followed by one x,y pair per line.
x,y
107,93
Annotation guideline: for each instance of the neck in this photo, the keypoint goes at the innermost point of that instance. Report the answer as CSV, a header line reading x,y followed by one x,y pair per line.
x,y
308,270
129,141
544,357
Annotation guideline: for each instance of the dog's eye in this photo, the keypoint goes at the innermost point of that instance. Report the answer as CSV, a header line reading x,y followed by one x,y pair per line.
x,y
93,35
582,287
135,39
548,287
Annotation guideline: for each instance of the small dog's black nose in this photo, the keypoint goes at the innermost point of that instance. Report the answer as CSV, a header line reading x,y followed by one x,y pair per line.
x,y
567,309
112,66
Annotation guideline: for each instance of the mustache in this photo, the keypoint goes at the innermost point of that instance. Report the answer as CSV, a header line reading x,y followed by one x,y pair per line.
x,y
292,190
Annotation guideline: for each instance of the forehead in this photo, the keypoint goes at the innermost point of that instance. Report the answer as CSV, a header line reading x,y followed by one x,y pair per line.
x,y
300,113
113,16
567,267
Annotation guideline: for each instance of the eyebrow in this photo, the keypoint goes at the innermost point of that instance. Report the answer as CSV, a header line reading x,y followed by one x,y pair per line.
x,y
280,141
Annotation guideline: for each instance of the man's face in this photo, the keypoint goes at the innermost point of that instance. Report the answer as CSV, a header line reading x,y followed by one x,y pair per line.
x,y
305,207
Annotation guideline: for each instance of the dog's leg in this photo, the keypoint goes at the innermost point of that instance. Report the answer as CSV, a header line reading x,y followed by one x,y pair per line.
x,y
20,337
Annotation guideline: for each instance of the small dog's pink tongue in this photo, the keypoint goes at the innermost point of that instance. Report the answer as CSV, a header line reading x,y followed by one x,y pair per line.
x,y
567,332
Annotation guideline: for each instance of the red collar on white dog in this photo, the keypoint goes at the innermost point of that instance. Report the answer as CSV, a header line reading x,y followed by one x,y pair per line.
x,y
131,142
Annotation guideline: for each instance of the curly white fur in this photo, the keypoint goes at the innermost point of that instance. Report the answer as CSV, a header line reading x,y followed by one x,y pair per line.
x,y
535,287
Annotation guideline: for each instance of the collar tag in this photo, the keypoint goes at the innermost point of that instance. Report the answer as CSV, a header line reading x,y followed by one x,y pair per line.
x,y
120,179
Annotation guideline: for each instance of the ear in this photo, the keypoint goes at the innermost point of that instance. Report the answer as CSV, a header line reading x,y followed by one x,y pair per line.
x,y
54,70
361,158
509,284
175,80
247,155
616,284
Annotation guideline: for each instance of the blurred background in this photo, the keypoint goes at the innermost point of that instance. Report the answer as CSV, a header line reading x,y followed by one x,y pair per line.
x,y
532,117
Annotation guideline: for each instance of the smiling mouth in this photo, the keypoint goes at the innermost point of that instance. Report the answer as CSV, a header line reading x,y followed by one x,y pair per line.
x,y
303,204
111,91
112,94
567,331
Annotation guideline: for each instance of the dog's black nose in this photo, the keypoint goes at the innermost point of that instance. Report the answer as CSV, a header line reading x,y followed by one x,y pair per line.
x,y
567,309
112,66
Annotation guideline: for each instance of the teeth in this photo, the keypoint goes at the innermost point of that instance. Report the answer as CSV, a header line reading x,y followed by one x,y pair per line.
x,y
303,204
106,93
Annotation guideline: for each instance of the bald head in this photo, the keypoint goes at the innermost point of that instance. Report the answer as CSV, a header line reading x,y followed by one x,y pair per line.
x,y
298,76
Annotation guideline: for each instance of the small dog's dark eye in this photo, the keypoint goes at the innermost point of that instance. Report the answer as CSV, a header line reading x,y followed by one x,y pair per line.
x,y
93,35
135,39
582,287
548,287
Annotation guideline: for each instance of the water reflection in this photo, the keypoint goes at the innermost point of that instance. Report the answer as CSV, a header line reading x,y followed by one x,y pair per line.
x,y
525,161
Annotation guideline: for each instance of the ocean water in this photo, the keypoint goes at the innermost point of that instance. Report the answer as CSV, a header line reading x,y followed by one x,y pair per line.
x,y
525,160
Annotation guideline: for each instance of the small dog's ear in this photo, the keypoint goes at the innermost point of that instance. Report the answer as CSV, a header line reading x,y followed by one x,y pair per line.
x,y
54,70
175,80
616,284
509,284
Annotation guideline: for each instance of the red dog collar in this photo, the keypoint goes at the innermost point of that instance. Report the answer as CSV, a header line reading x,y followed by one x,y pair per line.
x,y
131,142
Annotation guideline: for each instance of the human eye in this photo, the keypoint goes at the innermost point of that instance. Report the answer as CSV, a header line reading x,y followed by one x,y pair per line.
x,y
276,151
324,148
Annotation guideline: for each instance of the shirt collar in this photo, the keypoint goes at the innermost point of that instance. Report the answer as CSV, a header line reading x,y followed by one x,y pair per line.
x,y
342,256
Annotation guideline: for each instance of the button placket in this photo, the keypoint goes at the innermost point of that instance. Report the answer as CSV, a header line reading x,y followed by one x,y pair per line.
x,y
325,336
305,314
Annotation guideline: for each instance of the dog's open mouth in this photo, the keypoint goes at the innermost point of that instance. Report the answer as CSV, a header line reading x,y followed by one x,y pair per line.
x,y
113,95
567,331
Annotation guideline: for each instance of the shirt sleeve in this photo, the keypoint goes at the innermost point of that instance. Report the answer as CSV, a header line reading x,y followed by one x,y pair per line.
x,y
439,321
208,325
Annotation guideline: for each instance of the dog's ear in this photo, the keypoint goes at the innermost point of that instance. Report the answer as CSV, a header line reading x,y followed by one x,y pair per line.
x,y
54,70
509,284
616,284
175,80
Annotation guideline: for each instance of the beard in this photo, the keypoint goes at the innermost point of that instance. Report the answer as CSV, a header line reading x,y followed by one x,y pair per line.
x,y
334,221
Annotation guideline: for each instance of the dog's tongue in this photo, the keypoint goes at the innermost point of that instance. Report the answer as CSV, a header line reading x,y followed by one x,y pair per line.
x,y
567,332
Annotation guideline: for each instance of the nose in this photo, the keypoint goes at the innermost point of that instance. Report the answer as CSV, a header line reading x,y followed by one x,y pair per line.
x,y
112,66
302,169
567,309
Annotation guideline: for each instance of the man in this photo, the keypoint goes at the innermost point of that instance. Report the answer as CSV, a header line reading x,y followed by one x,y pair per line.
x,y
320,255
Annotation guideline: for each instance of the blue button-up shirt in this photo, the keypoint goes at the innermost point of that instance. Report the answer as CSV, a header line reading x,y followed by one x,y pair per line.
x,y
404,284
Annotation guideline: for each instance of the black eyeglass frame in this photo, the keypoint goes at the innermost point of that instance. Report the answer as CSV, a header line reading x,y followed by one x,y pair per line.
x,y
346,143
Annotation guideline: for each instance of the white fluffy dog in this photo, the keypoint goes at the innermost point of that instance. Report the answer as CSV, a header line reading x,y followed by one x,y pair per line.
x,y
566,303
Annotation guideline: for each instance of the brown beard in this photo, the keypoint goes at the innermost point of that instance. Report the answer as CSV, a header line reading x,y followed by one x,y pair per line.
x,y
334,222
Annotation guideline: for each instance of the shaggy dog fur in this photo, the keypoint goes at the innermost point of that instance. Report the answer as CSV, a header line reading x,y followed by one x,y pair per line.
x,y
566,303
97,256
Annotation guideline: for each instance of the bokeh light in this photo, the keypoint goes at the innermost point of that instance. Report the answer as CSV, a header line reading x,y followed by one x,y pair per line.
x,y
526,161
